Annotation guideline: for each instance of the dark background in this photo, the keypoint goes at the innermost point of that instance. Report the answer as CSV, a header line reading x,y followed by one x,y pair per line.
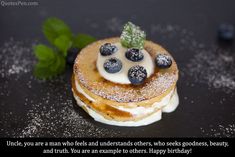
x,y
195,117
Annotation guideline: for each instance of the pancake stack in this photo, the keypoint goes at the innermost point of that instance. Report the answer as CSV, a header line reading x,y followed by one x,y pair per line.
x,y
120,104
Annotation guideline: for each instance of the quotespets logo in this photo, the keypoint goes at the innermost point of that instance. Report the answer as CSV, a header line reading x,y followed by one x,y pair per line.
x,y
19,3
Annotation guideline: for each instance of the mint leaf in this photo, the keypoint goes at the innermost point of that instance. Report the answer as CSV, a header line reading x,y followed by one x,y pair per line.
x,y
52,63
63,43
59,65
132,36
43,53
51,68
45,63
54,27
42,72
82,40
49,64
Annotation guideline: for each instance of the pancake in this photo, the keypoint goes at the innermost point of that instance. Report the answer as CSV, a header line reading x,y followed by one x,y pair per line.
x,y
116,102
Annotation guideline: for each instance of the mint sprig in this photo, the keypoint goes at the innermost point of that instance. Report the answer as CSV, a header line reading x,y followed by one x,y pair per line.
x,y
49,63
63,43
81,40
53,28
52,60
132,36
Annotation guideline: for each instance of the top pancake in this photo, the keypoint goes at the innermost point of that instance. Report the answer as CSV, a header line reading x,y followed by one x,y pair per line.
x,y
156,86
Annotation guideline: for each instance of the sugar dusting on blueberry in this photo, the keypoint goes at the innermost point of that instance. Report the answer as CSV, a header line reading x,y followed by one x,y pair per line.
x,y
226,32
137,75
134,55
108,49
163,61
112,65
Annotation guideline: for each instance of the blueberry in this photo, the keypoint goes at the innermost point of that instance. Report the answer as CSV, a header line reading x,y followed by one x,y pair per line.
x,y
226,32
71,55
134,55
112,65
107,49
137,74
163,61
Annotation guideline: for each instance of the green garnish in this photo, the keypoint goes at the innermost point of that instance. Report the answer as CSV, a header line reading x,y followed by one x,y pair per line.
x,y
63,43
81,40
132,36
53,28
52,61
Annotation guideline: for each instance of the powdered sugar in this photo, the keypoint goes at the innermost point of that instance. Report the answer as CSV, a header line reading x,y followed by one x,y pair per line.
x,y
210,65
155,86
137,74
132,36
47,110
219,130
46,121
16,58
163,81
163,61
215,68
114,24
44,108
121,93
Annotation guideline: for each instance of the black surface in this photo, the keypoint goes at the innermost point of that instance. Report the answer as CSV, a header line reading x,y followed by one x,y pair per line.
x,y
196,116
